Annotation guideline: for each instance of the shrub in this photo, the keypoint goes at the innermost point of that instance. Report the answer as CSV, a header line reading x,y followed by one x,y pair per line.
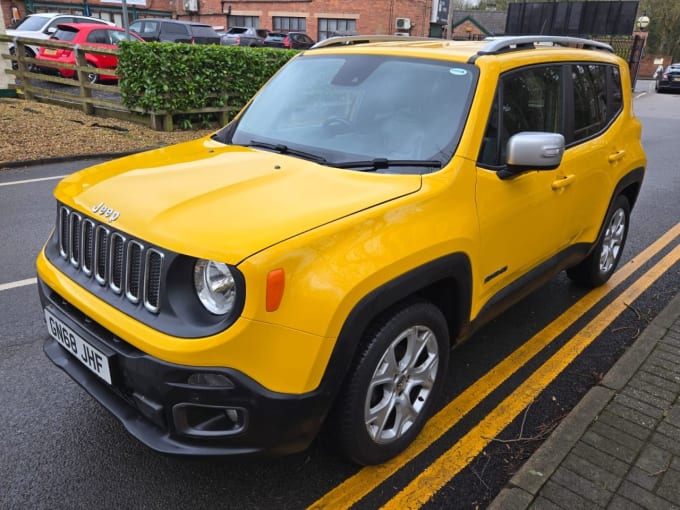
x,y
180,77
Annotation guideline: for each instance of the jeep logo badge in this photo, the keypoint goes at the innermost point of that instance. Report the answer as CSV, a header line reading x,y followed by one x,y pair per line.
x,y
103,210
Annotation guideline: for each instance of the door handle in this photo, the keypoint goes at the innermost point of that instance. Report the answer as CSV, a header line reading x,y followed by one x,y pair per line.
x,y
563,182
615,156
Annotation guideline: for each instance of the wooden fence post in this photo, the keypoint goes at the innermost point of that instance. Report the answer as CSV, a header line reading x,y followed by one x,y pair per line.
x,y
83,81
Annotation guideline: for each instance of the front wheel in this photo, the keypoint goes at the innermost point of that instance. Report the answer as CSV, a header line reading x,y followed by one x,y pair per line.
x,y
28,52
393,385
598,267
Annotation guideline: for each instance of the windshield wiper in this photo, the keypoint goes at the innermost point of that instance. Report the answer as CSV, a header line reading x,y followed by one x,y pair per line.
x,y
284,149
382,163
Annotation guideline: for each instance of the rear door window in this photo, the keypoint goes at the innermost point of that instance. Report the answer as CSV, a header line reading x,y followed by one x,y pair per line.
x,y
597,98
99,37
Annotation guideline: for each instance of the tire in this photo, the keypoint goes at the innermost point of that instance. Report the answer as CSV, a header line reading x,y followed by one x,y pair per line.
x,y
598,267
91,77
28,52
393,385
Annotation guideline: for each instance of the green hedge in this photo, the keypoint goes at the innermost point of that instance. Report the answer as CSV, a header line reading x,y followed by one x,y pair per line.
x,y
181,77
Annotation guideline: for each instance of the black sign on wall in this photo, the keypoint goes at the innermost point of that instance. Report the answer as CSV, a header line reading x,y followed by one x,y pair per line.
x,y
571,18
443,12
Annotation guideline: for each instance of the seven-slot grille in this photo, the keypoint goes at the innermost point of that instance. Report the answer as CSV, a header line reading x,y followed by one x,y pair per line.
x,y
123,265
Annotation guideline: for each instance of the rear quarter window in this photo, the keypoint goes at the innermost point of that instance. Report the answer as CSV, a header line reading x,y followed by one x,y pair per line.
x,y
202,31
174,28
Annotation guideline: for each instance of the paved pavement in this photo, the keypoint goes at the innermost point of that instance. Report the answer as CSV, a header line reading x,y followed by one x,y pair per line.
x,y
619,448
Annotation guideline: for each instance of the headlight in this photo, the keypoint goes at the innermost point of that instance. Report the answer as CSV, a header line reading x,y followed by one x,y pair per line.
x,y
215,286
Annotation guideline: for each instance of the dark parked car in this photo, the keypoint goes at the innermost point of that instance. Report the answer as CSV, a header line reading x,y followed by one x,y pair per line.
x,y
289,40
244,36
170,30
669,80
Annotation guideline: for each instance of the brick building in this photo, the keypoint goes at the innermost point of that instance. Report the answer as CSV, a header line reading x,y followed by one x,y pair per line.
x,y
319,18
478,24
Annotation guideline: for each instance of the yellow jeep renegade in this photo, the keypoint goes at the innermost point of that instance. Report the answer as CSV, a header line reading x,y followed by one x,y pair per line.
x,y
312,263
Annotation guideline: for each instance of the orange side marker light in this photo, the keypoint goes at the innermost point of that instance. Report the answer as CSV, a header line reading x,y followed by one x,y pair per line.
x,y
276,281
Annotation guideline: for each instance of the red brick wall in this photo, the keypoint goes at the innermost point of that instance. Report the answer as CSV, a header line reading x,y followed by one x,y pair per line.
x,y
648,65
6,6
374,17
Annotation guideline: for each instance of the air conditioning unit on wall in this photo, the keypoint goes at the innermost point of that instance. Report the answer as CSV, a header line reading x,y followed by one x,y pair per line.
x,y
403,23
191,5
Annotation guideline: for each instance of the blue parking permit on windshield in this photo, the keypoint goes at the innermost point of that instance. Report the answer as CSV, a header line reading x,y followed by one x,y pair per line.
x,y
458,72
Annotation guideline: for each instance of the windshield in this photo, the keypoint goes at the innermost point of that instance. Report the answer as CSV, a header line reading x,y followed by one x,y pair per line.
x,y
349,109
32,23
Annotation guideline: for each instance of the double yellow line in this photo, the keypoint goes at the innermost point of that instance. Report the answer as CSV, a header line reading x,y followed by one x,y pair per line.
x,y
435,476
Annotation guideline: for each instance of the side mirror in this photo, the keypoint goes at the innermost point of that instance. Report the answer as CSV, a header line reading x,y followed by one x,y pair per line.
x,y
52,30
531,150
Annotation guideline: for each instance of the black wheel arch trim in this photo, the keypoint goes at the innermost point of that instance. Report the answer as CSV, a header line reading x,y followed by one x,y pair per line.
x,y
446,281
629,186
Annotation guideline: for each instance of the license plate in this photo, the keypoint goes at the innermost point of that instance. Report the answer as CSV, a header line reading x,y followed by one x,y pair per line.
x,y
84,352
49,51
676,78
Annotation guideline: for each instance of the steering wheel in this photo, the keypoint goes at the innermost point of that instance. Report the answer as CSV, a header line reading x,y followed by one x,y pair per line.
x,y
337,125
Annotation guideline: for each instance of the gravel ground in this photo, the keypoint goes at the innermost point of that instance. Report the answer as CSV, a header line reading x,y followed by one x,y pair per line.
x,y
31,131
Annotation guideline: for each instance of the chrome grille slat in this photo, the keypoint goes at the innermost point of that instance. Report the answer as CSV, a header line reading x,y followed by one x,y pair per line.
x,y
63,231
152,280
116,262
125,266
101,252
133,269
74,239
87,250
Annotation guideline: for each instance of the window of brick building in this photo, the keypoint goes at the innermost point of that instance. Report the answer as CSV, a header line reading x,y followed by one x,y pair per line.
x,y
286,24
329,27
244,21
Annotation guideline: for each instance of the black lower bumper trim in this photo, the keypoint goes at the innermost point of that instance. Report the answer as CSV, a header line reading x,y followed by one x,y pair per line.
x,y
184,410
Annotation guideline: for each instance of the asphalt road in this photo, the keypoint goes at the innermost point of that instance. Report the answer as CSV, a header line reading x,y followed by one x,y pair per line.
x,y
60,449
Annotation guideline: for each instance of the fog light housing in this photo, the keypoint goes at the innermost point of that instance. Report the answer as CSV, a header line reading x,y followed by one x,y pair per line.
x,y
207,421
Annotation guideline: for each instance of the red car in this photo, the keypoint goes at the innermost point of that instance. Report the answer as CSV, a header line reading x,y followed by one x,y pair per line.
x,y
89,35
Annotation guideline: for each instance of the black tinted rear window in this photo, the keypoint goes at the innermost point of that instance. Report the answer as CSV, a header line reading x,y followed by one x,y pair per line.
x,y
65,34
174,28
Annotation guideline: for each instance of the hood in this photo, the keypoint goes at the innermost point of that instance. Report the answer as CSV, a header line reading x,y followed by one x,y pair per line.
x,y
209,200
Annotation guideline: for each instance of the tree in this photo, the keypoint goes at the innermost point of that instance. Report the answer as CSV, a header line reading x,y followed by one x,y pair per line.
x,y
500,5
664,27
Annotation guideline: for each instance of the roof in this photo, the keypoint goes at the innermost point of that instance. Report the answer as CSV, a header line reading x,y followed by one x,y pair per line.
x,y
462,51
489,22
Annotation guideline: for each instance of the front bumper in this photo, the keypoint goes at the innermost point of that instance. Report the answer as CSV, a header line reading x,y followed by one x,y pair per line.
x,y
184,410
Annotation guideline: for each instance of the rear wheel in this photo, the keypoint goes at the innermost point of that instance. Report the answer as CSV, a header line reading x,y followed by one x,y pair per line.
x,y
92,77
393,385
598,267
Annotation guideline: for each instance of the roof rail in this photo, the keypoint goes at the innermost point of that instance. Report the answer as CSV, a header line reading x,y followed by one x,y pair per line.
x,y
346,40
510,43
